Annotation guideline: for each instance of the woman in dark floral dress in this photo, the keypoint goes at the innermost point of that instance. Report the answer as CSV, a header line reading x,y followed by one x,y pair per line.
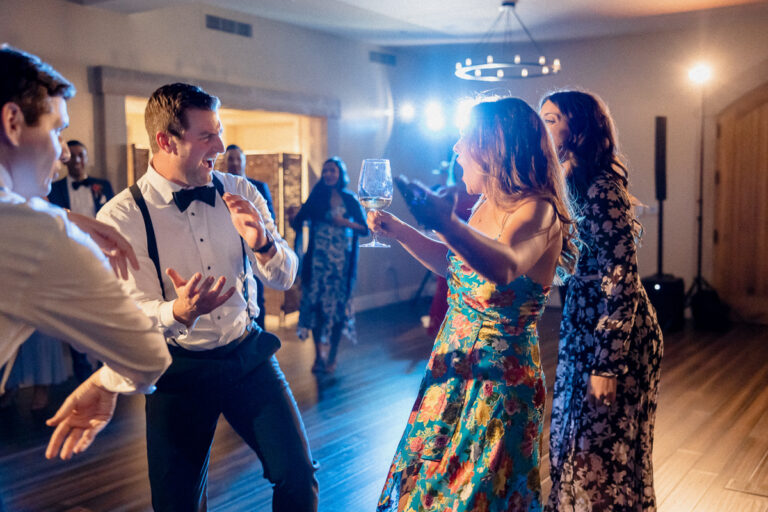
x,y
607,378
472,442
329,267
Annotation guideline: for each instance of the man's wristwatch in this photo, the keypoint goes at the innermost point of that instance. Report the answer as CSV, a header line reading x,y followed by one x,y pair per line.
x,y
267,245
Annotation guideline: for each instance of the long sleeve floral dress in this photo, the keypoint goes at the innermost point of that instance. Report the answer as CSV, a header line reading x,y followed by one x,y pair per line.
x,y
329,270
600,456
472,442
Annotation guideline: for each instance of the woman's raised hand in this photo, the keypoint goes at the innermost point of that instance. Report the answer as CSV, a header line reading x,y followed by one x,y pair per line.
x,y
433,211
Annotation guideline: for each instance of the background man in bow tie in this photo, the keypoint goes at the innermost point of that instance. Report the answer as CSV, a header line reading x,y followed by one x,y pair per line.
x,y
77,191
202,237
85,195
234,160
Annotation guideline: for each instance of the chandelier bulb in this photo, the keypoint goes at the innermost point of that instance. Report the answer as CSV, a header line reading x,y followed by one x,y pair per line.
x,y
556,64
517,59
542,60
468,62
458,65
500,73
545,70
489,59
524,73
478,72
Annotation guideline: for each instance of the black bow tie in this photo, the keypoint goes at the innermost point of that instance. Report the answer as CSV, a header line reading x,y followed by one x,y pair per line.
x,y
183,198
87,182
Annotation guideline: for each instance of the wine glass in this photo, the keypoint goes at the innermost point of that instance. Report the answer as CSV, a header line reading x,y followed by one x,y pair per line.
x,y
375,189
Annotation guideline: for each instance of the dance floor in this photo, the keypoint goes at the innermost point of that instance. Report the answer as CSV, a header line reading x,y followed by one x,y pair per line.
x,y
711,451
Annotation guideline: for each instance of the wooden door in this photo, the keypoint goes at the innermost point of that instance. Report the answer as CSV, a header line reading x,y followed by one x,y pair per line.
x,y
138,160
282,174
741,209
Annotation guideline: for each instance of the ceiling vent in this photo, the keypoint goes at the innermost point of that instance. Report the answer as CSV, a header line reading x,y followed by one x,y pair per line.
x,y
228,26
382,58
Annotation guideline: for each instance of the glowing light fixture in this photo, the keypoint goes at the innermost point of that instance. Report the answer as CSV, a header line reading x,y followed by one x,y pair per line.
x,y
407,112
506,66
435,119
700,73
461,113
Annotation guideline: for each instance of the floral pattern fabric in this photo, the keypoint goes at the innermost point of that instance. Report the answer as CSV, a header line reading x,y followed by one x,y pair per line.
x,y
472,442
326,300
600,457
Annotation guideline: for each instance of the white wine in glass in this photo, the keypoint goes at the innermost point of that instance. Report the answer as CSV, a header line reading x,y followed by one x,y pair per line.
x,y
375,189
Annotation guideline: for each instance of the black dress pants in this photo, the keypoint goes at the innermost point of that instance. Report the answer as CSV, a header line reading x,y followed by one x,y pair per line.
x,y
246,385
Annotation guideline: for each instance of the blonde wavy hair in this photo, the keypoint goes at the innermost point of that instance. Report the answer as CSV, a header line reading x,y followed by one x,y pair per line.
x,y
509,141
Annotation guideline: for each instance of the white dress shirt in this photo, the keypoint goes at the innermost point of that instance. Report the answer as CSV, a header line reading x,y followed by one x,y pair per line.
x,y
200,239
55,279
80,200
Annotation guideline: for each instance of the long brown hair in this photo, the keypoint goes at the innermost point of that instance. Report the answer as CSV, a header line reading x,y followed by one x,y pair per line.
x,y
591,148
509,141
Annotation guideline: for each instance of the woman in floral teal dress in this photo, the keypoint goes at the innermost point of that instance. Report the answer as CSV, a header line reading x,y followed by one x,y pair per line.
x,y
604,403
329,267
472,442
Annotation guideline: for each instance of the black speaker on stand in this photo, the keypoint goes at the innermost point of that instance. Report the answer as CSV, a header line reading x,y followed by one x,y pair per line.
x,y
667,292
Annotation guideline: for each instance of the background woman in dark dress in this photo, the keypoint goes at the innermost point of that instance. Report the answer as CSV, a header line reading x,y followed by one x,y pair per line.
x,y
610,350
329,267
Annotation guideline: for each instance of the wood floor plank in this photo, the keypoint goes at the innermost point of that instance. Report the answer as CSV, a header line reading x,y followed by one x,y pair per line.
x,y
667,476
751,474
688,492
730,501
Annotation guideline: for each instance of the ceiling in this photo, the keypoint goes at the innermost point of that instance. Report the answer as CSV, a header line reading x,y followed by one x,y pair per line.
x,y
408,22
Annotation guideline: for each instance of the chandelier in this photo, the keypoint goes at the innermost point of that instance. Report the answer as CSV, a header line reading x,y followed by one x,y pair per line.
x,y
506,66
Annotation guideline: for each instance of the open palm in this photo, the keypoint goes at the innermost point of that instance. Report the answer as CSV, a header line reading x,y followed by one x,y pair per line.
x,y
80,418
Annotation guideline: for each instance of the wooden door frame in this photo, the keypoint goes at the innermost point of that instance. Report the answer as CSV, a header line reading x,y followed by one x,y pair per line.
x,y
753,307
720,96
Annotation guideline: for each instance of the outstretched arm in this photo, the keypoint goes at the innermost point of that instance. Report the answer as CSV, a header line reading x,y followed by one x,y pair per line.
x,y
430,253
114,245
80,418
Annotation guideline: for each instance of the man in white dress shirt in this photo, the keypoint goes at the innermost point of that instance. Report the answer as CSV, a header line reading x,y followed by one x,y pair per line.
x,y
202,237
54,276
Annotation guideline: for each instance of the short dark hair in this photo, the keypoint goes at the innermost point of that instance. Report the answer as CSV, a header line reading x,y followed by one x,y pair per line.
x,y
167,107
74,142
29,82
233,146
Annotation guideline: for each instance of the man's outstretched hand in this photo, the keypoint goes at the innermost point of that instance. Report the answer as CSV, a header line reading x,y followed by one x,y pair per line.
x,y
197,296
80,418
114,245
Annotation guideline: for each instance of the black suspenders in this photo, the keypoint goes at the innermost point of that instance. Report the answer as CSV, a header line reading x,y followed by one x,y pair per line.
x,y
152,241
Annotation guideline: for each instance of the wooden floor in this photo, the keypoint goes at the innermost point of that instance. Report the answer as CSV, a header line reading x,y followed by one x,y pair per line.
x,y
711,451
